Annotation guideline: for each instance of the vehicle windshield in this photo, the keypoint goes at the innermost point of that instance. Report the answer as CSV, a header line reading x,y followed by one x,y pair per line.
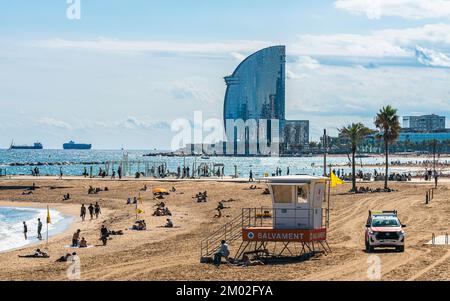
x,y
385,222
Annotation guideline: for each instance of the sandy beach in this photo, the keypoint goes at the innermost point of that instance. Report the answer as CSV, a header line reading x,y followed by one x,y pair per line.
x,y
173,254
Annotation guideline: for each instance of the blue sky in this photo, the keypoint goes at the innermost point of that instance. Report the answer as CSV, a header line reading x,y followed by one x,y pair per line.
x,y
120,75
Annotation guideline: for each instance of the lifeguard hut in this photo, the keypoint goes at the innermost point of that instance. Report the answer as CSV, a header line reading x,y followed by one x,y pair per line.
x,y
295,225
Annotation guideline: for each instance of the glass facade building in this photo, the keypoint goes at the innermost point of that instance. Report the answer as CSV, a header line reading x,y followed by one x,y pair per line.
x,y
256,95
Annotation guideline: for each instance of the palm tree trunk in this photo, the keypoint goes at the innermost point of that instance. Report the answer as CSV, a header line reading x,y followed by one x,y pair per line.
x,y
354,170
386,145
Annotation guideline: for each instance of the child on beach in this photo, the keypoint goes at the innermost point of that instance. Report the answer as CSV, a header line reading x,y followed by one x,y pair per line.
x,y
83,243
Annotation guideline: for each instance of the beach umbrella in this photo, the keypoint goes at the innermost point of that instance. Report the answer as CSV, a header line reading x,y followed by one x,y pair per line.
x,y
160,191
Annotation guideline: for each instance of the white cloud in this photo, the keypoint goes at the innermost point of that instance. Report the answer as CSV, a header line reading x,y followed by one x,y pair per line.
x,y
132,123
398,43
238,56
46,121
432,58
307,62
110,45
408,9
193,89
381,43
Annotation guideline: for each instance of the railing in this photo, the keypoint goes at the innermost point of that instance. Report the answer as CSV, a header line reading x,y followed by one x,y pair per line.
x,y
257,217
229,232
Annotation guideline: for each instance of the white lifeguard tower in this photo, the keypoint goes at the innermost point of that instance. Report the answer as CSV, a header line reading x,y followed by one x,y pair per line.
x,y
299,216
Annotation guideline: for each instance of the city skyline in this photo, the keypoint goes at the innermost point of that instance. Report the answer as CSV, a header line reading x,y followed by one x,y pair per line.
x,y
120,75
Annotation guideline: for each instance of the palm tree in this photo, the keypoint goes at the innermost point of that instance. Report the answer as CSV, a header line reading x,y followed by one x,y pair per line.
x,y
387,121
355,133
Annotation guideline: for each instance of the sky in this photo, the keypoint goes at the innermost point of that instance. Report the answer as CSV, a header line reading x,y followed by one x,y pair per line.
x,y
121,74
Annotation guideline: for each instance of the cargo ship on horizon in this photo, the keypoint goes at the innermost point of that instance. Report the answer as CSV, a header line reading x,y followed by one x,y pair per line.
x,y
36,145
80,146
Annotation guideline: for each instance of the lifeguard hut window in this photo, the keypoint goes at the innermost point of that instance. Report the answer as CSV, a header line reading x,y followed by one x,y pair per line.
x,y
282,194
302,194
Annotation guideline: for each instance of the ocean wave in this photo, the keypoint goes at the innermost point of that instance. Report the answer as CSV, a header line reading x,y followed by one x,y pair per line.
x,y
11,225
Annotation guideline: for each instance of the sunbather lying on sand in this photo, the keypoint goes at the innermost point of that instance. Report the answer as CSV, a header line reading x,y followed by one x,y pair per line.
x,y
37,254
66,258
247,262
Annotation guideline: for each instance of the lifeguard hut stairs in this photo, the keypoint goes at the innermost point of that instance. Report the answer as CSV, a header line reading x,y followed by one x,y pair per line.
x,y
234,231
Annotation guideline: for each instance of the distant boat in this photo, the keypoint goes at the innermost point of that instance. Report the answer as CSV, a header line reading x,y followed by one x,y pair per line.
x,y
36,145
205,157
73,145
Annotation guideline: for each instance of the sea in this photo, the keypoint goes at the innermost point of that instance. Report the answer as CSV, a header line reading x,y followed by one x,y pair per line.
x,y
75,162
11,226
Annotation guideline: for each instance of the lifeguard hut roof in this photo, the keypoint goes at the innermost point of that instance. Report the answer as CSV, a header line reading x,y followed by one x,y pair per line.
x,y
304,179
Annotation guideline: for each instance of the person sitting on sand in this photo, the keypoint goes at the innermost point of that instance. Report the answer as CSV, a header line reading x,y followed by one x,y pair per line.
x,y
66,197
140,226
83,243
76,238
224,251
135,201
173,189
219,213
37,254
129,201
169,223
167,212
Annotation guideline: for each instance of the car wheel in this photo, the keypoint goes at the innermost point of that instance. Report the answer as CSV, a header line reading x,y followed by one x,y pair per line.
x,y
368,247
401,249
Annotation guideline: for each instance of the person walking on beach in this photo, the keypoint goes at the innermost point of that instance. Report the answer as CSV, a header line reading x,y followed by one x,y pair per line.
x,y
250,179
83,212
60,173
104,233
25,230
97,210
91,211
39,229
119,172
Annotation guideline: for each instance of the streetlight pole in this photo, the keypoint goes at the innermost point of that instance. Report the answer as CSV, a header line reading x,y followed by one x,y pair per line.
x,y
325,148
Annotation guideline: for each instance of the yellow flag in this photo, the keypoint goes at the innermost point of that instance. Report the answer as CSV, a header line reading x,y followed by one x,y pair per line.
x,y
335,181
49,220
140,211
